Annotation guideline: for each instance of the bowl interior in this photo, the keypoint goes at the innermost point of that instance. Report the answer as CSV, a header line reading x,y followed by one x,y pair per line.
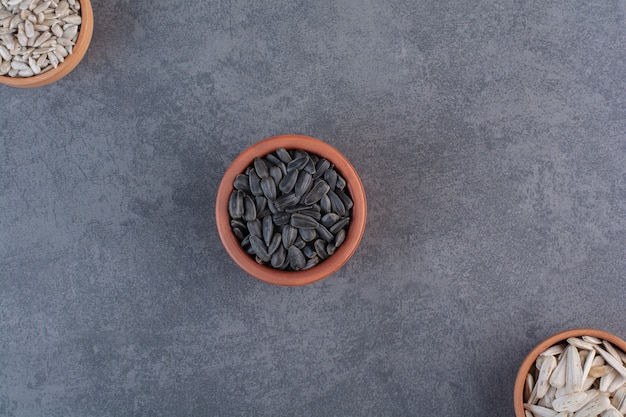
x,y
355,229
71,61
520,381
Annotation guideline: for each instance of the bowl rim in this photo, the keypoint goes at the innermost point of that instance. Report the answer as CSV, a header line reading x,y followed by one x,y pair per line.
x,y
355,229
520,380
85,34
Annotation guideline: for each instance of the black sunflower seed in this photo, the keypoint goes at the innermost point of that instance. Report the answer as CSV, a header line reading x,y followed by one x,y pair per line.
x,y
288,182
242,182
235,204
268,186
283,155
319,189
296,258
260,166
249,209
301,221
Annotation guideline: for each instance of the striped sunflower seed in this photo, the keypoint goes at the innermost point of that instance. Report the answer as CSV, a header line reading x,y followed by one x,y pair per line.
x,y
320,248
296,258
241,181
281,218
260,202
254,183
268,186
319,189
324,233
325,204
275,243
339,225
320,168
308,235
276,174
309,167
341,183
336,203
283,155
261,168
279,258
288,182
340,237
285,201
272,160
302,221
289,235
329,219
249,209
255,228
347,201
330,176
303,183
268,229
259,248
298,163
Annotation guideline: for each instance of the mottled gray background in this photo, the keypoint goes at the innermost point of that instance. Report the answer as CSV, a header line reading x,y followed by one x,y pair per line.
x,y
490,137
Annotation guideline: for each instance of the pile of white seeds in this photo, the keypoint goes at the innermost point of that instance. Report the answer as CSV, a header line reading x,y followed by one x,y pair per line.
x,y
36,35
584,377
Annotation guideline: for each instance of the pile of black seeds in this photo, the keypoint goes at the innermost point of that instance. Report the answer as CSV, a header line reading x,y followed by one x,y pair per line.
x,y
290,209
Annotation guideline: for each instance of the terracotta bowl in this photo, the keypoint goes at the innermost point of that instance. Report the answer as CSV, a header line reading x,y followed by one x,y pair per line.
x,y
323,269
520,381
85,30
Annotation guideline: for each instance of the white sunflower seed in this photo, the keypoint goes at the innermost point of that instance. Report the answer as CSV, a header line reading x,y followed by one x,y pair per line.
x,y
557,379
611,360
18,65
617,383
594,407
62,9
22,39
54,61
619,400
43,6
29,29
70,32
574,371
611,412
571,402
548,365
539,411
4,53
5,67
65,42
42,38
607,380
57,30
26,72
33,66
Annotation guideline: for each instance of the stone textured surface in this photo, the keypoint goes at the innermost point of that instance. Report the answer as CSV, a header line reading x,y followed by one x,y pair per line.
x,y
491,140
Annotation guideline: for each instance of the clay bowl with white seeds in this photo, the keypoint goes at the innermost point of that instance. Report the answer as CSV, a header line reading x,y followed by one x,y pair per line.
x,y
290,210
42,41
575,373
